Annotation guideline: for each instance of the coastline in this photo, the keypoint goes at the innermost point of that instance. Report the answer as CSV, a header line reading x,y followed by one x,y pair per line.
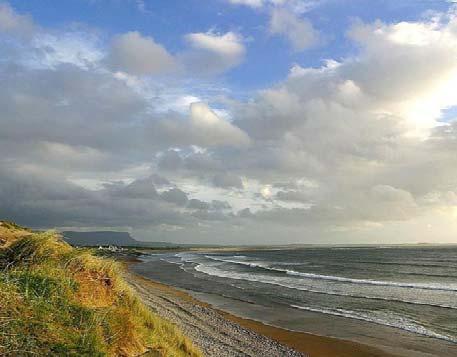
x,y
306,344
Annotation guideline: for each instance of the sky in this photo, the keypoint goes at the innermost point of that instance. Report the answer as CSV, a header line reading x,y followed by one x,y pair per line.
x,y
231,121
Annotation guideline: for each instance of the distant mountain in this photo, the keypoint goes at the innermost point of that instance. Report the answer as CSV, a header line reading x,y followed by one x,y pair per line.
x,y
99,238
109,238
94,239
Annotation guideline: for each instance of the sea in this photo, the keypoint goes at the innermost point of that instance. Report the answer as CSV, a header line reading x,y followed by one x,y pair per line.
x,y
402,299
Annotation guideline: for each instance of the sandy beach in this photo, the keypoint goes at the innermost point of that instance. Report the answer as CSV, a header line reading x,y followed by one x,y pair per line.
x,y
218,333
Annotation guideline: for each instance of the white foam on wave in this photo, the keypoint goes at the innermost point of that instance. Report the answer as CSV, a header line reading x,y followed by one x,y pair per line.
x,y
385,319
264,265
200,264
251,263
373,282
298,285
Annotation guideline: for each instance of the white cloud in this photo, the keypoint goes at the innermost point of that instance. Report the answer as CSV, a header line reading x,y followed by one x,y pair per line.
x,y
214,53
296,6
12,22
76,47
365,129
140,55
72,157
213,129
251,3
415,68
299,32
180,103
228,44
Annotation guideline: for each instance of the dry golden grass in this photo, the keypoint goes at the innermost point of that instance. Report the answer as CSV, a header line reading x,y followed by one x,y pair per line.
x,y
56,300
10,232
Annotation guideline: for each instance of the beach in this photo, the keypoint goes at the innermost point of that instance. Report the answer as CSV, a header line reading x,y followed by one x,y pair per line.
x,y
218,333
318,301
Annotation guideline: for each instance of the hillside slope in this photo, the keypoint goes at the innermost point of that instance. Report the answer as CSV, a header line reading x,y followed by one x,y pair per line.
x,y
56,300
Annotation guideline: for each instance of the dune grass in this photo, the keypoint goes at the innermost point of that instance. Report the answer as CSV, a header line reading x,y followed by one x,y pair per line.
x,y
56,300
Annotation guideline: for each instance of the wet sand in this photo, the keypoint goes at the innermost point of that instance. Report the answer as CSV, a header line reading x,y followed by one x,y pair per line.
x,y
219,333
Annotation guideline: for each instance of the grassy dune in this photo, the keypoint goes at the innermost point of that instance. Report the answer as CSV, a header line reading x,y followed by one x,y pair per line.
x,y
56,300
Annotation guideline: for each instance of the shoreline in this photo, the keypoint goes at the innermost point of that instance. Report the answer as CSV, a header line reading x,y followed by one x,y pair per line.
x,y
305,343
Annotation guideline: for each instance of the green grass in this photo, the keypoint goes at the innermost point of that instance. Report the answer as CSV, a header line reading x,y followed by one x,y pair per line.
x,y
56,300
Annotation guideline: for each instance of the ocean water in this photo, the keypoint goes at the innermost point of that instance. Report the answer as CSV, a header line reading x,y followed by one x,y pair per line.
x,y
409,289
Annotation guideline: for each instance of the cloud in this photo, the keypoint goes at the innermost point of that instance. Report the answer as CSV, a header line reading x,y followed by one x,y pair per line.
x,y
351,149
227,180
398,83
415,80
299,32
139,55
251,3
139,189
292,195
213,130
198,205
363,129
72,157
199,127
213,53
46,114
12,22
77,47
176,196
44,200
296,6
